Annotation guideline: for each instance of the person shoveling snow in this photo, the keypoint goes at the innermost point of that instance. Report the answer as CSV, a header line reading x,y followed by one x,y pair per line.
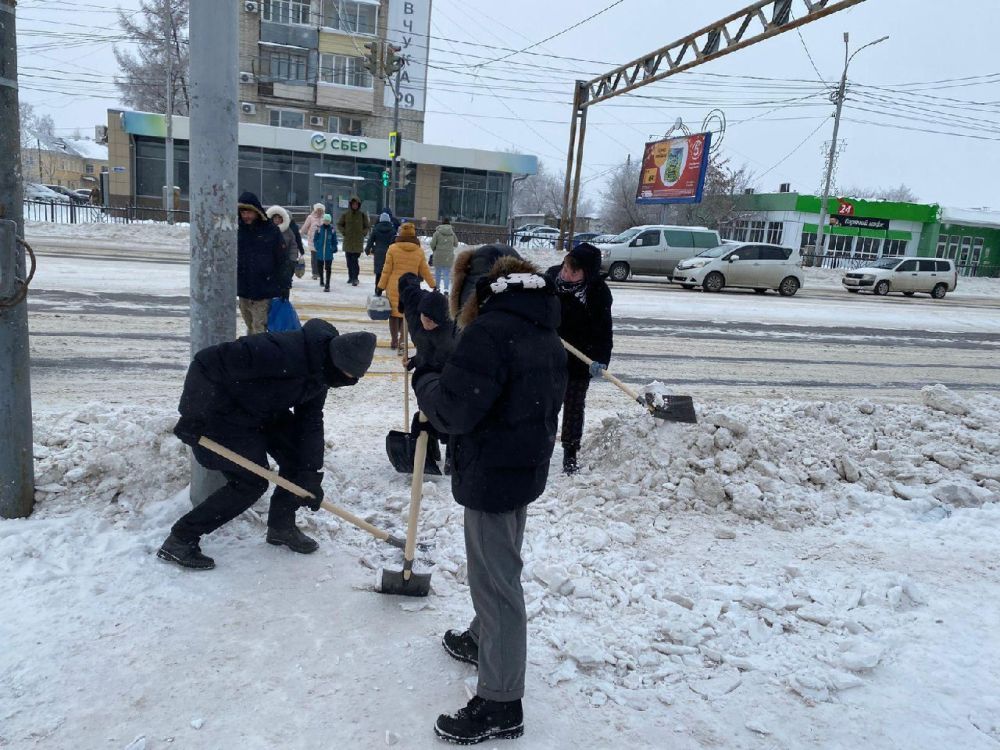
x,y
258,396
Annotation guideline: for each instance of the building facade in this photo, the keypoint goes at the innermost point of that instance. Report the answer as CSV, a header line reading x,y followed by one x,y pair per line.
x,y
71,162
296,168
302,65
860,230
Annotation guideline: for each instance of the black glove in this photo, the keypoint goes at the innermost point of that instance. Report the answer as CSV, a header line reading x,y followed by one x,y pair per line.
x,y
188,430
378,292
311,481
420,370
416,427
411,363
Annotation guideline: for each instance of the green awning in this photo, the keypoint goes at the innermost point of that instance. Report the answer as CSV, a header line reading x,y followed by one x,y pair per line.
x,y
807,228
844,231
878,233
895,234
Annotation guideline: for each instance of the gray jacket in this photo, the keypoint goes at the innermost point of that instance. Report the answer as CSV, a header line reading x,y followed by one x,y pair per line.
x,y
443,245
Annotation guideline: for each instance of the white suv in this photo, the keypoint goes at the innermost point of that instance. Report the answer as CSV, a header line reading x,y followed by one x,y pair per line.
x,y
933,276
753,265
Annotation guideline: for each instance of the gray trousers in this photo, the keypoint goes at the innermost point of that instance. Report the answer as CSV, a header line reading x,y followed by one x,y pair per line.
x,y
500,627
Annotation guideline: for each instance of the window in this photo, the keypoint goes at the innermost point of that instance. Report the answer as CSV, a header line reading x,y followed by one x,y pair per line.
x,y
977,250
943,265
867,248
808,242
677,238
288,11
895,247
285,66
150,166
287,118
705,240
841,245
928,266
907,266
748,252
89,168
352,17
942,246
474,196
649,238
953,246
775,229
344,71
774,253
345,125
963,259
757,231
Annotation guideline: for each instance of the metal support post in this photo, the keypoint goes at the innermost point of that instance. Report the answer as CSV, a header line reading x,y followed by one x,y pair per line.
x,y
579,165
214,150
395,128
570,153
17,472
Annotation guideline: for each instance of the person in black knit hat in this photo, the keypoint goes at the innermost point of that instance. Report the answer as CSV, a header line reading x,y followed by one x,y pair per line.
x,y
262,396
586,324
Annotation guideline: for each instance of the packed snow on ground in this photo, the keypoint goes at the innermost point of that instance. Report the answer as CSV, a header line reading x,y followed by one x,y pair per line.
x,y
783,574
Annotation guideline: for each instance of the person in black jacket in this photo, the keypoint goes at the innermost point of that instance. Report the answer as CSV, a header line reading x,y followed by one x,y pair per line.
x,y
382,235
428,323
498,399
261,263
586,324
259,396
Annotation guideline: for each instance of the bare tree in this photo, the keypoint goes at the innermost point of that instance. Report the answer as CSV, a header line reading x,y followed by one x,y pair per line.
x,y
899,194
619,210
542,193
157,29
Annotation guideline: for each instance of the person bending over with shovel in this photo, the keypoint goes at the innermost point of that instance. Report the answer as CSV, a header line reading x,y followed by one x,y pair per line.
x,y
258,396
498,399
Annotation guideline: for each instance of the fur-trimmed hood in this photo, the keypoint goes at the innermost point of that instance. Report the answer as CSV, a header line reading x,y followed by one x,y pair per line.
x,y
470,266
510,275
286,220
251,202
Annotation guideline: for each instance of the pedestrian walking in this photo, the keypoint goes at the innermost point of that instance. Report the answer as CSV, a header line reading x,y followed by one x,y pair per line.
x,y
293,242
498,400
353,225
262,396
585,302
261,262
309,228
443,245
405,256
325,248
382,235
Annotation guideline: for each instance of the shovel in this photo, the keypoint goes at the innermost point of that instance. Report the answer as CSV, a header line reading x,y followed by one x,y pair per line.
x,y
674,408
400,445
405,582
272,477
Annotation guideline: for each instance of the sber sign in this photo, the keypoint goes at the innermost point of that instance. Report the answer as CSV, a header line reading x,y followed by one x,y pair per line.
x,y
321,142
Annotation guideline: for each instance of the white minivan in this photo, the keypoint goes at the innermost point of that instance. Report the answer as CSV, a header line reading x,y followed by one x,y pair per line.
x,y
653,250
933,276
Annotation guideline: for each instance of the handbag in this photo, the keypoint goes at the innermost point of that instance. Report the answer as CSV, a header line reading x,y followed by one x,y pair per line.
x,y
300,268
282,316
379,308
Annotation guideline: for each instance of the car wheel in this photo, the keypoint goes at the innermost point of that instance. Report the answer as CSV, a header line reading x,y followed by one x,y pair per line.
x,y
760,291
619,271
854,291
939,291
788,287
714,282
688,286
908,294
882,288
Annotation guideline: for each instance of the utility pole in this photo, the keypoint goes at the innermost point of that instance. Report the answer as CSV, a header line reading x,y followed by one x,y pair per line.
x,y
17,471
169,202
38,150
394,66
214,148
839,97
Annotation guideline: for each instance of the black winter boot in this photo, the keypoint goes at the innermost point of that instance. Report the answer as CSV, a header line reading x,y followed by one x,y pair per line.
x,y
482,720
185,554
292,538
570,465
461,646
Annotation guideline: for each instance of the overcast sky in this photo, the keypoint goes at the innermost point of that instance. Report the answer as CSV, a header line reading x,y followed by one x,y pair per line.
x,y
777,121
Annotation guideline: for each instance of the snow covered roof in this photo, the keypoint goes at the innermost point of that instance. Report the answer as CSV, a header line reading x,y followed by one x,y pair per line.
x,y
979,217
87,148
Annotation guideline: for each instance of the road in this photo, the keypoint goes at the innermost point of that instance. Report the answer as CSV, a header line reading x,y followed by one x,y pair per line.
x,y
87,343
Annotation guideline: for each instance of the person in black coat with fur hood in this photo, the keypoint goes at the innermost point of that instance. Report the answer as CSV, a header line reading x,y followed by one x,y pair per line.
x,y
498,399
586,324
262,396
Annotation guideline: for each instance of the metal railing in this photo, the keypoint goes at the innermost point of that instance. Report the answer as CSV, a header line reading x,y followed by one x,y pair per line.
x,y
60,212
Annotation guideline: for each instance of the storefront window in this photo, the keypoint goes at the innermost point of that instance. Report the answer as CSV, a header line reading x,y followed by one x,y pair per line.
x,y
894,247
151,167
775,229
474,196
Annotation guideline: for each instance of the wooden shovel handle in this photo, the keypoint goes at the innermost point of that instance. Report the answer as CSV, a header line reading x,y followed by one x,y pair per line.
x,y
274,478
416,492
604,373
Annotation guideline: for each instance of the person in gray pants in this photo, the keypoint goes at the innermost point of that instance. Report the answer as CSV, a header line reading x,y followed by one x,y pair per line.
x,y
497,398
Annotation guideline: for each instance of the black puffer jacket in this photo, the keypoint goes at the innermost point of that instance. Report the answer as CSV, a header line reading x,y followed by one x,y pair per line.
x,y
237,391
587,326
499,395
382,235
433,347
261,256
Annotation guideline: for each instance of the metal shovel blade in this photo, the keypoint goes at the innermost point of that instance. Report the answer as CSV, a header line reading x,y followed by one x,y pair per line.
x,y
673,408
395,583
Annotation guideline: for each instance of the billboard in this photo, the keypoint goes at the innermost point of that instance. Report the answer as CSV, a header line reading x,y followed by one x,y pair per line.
x,y
673,170
409,27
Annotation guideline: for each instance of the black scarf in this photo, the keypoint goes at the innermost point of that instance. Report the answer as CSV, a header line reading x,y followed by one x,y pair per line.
x,y
577,288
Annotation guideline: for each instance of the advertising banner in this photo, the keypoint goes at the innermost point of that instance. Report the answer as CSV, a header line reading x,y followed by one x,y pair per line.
x,y
409,26
860,222
673,170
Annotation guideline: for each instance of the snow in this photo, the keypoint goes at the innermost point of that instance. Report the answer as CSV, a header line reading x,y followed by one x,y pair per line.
x,y
786,573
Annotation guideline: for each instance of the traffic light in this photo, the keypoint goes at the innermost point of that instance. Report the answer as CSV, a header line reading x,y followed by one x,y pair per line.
x,y
395,145
404,173
394,62
385,178
372,58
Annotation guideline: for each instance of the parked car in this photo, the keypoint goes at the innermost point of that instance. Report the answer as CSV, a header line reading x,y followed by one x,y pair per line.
x,y
933,276
70,194
584,237
35,192
654,250
85,194
752,265
603,239
541,235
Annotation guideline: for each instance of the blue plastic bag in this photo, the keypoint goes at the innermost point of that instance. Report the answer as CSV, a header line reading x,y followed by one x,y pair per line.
x,y
282,316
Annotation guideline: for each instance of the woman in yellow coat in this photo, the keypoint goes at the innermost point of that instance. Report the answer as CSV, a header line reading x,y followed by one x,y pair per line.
x,y
405,256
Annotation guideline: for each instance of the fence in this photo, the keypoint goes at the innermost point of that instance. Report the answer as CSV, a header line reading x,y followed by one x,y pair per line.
x,y
60,212
849,263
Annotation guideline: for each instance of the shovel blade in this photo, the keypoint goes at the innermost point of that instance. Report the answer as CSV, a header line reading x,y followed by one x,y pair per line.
x,y
394,583
673,409
399,447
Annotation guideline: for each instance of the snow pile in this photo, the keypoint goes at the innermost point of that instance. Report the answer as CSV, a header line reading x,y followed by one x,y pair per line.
x,y
155,233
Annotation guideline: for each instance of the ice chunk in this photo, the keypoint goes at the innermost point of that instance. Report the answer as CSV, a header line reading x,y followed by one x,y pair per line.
x,y
938,397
